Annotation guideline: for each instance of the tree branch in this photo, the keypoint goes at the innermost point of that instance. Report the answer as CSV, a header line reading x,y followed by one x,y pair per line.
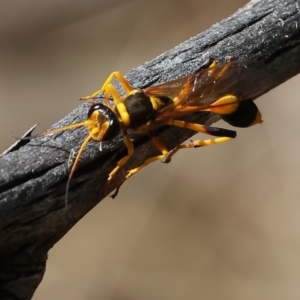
x,y
33,178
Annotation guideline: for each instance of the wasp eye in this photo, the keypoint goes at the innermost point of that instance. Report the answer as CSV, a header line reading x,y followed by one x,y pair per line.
x,y
93,108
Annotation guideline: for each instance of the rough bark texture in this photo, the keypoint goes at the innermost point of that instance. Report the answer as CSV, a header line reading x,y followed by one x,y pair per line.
x,y
33,178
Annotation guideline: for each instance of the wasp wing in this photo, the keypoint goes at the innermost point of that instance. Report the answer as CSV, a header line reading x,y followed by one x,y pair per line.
x,y
243,79
170,89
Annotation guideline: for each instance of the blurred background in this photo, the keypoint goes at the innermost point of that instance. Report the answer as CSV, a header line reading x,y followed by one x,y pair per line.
x,y
231,234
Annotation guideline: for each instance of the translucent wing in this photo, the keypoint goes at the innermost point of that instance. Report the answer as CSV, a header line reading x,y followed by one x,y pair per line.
x,y
243,79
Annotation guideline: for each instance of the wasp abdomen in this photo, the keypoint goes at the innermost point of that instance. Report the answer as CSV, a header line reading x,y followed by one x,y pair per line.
x,y
246,114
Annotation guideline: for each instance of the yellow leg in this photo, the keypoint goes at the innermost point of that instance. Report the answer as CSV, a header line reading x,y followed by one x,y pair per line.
x,y
196,144
192,126
187,87
183,92
228,134
223,106
110,90
162,149
126,85
212,69
123,160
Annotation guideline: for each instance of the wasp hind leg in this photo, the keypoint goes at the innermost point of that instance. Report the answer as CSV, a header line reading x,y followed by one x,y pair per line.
x,y
196,144
223,135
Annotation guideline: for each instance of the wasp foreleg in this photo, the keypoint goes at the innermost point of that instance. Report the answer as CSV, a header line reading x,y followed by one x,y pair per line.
x,y
126,85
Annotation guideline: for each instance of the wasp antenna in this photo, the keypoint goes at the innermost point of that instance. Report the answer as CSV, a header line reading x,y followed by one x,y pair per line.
x,y
62,128
27,138
83,145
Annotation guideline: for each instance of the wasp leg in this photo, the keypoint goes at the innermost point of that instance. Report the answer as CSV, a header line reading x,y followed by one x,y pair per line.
x,y
160,147
196,144
220,73
224,135
126,85
110,90
116,192
183,92
223,106
122,161
209,63
215,131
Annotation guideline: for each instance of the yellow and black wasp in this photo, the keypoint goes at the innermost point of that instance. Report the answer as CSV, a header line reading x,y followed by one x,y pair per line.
x,y
226,89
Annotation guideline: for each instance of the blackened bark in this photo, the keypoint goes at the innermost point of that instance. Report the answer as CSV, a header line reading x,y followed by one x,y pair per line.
x,y
33,178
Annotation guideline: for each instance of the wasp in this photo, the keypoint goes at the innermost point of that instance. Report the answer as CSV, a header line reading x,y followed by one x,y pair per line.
x,y
226,89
